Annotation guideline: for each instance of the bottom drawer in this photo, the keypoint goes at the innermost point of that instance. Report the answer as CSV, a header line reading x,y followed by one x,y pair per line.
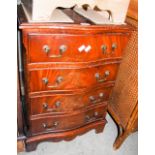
x,y
59,123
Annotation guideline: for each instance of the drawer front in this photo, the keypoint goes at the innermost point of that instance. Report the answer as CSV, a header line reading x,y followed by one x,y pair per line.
x,y
58,123
75,48
62,103
67,79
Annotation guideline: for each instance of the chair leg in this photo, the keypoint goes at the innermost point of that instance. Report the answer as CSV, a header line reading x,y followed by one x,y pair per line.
x,y
122,135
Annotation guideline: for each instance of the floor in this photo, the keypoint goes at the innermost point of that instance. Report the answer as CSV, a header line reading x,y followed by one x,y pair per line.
x,y
90,144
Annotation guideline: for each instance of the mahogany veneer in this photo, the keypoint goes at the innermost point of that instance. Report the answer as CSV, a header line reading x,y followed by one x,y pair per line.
x,y
72,53
69,72
57,79
64,122
62,103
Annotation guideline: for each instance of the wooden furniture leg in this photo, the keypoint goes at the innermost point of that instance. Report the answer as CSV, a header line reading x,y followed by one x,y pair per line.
x,y
122,135
31,146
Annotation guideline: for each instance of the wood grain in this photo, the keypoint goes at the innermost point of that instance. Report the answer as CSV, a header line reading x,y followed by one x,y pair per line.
x,y
73,43
74,78
63,103
69,121
77,78
32,142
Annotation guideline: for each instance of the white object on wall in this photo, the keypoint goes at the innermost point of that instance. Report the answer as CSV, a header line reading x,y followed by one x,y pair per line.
x,y
42,9
98,17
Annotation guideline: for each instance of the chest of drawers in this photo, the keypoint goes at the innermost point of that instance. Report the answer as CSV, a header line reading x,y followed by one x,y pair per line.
x,y
69,73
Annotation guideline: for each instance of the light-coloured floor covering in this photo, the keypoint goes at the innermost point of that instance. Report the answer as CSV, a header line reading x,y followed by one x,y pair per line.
x,y
90,144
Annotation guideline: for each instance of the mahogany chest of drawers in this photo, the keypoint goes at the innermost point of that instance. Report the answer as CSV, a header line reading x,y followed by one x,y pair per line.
x,y
69,73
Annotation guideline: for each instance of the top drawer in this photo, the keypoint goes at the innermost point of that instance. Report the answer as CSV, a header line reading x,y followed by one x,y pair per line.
x,y
75,48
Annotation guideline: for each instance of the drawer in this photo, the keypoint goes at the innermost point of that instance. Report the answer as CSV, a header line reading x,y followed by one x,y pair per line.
x,y
67,79
75,48
58,123
62,103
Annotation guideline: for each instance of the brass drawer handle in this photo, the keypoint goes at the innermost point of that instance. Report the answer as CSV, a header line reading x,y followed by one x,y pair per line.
x,y
58,81
96,114
87,118
92,98
101,95
46,49
96,100
57,105
114,46
45,80
104,48
104,78
54,125
62,49
45,107
92,118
